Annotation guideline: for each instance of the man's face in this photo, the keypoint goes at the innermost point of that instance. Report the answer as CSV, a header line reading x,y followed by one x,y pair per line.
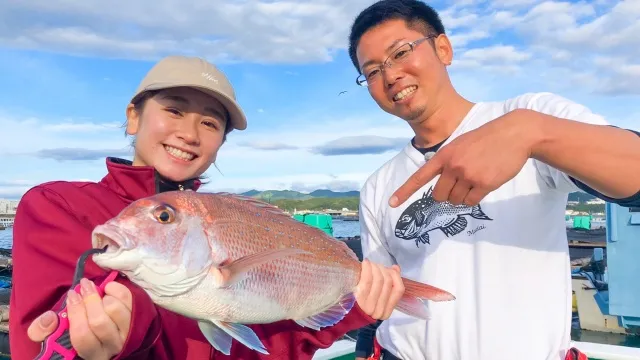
x,y
407,89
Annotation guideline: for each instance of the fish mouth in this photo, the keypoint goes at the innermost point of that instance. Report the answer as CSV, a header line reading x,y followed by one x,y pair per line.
x,y
104,236
402,233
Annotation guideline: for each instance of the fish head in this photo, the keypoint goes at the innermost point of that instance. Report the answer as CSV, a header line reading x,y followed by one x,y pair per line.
x,y
406,227
159,243
414,217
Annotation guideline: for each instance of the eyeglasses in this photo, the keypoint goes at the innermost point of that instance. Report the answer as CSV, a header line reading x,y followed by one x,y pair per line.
x,y
372,74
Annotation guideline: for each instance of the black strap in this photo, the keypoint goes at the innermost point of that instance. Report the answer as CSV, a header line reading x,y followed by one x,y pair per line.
x,y
386,355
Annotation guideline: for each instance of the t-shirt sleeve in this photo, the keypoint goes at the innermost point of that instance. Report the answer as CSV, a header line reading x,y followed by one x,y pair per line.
x,y
561,107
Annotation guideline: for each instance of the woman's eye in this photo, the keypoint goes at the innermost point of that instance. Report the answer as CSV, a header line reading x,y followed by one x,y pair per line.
x,y
174,111
210,124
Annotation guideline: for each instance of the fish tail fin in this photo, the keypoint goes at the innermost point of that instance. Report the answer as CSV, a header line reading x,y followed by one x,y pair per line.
x,y
415,293
477,213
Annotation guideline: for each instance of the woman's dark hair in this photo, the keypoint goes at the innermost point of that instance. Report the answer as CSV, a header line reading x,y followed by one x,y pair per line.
x,y
416,14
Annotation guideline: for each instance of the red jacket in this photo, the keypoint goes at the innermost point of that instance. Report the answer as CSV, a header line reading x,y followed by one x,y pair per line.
x,y
52,228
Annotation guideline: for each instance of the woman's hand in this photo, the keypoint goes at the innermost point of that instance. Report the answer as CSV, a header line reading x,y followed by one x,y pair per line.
x,y
98,327
379,289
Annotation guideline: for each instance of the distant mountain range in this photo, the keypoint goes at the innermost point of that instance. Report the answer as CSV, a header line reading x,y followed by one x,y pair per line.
x,y
297,195
580,197
323,193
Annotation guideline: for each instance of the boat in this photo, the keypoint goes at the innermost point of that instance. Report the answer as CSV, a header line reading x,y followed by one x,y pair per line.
x,y
321,221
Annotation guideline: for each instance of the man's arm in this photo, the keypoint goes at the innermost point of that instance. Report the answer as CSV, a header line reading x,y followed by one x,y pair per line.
x,y
601,160
571,147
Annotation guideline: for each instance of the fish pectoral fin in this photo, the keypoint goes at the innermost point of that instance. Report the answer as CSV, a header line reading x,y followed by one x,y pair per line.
x,y
455,227
236,270
243,334
331,316
217,337
424,238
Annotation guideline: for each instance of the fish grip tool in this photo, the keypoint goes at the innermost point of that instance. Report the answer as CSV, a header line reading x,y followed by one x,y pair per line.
x,y
57,346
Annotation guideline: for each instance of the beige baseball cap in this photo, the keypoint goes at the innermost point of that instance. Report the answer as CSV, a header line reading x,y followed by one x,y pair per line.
x,y
197,73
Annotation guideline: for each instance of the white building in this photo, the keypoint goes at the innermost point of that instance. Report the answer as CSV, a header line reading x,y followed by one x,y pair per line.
x,y
595,201
8,206
6,221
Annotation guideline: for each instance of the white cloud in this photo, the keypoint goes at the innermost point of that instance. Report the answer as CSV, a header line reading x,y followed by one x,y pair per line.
x,y
503,58
583,46
13,189
264,31
513,3
299,182
497,35
244,161
48,135
267,145
461,40
536,36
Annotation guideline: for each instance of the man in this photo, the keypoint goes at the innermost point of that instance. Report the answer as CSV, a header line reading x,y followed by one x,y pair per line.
x,y
481,195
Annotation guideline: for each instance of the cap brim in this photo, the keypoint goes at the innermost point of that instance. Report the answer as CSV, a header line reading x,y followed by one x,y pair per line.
x,y
237,117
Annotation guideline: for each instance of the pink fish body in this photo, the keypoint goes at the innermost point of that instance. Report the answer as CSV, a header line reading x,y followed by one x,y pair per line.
x,y
228,260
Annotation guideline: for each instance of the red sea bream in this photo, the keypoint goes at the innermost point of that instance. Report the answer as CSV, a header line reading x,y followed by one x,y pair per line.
x,y
228,260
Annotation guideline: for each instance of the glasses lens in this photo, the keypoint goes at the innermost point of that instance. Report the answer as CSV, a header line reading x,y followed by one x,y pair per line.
x,y
361,80
402,52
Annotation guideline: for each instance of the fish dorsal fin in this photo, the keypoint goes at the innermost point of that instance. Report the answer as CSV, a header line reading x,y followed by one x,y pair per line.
x,y
428,193
256,202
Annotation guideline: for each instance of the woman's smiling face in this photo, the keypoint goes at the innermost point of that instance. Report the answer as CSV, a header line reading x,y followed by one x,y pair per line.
x,y
178,132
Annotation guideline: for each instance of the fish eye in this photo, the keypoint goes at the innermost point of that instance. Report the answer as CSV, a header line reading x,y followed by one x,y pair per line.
x,y
164,214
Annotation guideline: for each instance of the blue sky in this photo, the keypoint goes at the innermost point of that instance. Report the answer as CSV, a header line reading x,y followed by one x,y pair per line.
x,y
69,70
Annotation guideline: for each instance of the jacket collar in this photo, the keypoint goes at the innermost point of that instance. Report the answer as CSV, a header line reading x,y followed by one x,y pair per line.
x,y
136,182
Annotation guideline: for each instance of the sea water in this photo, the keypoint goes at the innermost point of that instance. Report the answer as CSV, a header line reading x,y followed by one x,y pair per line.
x,y
340,229
346,228
6,238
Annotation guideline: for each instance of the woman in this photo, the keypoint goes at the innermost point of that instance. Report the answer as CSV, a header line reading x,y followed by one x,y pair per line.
x,y
180,116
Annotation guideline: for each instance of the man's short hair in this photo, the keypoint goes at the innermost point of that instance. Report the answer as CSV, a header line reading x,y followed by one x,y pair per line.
x,y
416,14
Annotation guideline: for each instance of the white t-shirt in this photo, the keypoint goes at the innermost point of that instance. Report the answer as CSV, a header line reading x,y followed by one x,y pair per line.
x,y
506,261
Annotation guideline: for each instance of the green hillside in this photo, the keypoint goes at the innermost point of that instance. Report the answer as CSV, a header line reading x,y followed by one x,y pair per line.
x,y
580,197
350,203
323,193
272,195
333,194
326,199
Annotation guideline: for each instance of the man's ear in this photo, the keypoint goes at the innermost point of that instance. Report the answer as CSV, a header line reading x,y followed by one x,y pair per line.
x,y
133,120
444,50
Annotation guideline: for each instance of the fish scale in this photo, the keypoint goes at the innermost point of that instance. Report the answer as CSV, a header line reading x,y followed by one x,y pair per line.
x,y
226,260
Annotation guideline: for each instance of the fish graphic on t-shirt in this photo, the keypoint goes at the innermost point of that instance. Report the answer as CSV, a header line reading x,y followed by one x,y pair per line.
x,y
426,214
